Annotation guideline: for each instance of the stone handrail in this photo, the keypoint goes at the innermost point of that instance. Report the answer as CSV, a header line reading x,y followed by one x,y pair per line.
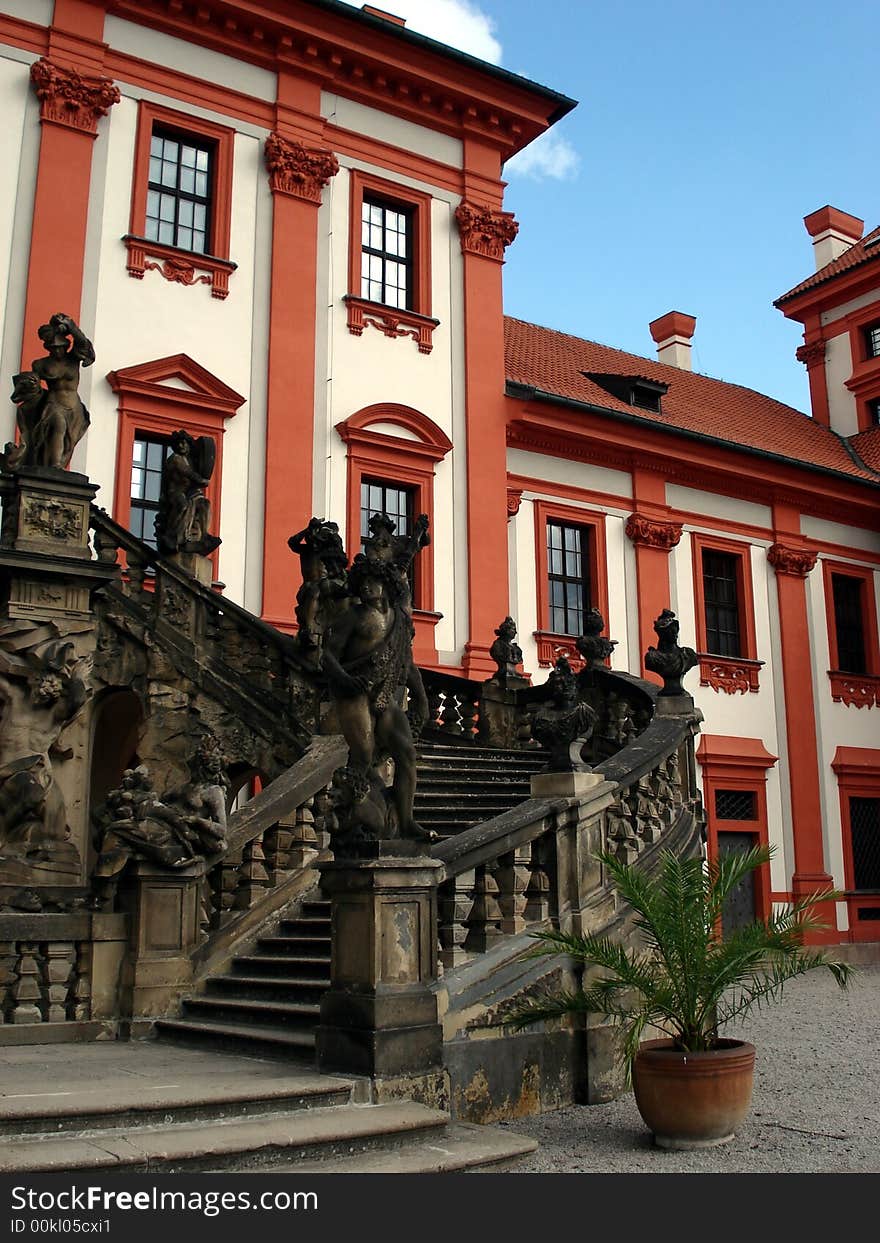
x,y
537,861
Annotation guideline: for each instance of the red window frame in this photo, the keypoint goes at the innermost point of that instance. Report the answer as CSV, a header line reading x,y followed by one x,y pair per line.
x,y
858,776
727,673
550,643
394,322
172,262
864,383
731,763
860,689
408,463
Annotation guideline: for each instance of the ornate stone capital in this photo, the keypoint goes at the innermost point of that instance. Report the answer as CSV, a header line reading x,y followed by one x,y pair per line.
x,y
812,354
514,500
299,171
796,561
70,98
484,231
653,533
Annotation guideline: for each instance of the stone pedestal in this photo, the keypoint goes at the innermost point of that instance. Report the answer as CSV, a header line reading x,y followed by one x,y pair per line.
x,y
379,1017
164,910
565,785
499,717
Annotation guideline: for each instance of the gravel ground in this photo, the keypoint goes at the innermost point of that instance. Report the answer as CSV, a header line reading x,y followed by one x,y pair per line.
x,y
815,1104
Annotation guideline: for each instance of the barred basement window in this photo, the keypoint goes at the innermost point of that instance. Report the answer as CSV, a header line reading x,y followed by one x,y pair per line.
x,y
721,596
736,805
386,253
179,191
864,826
148,454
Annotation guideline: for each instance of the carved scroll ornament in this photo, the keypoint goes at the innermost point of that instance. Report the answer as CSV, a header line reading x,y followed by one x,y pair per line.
x,y
70,98
297,170
795,561
484,231
652,532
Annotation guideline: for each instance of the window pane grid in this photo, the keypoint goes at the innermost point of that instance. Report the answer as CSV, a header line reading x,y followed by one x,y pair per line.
x,y
148,455
386,264
849,623
721,598
178,194
569,579
872,340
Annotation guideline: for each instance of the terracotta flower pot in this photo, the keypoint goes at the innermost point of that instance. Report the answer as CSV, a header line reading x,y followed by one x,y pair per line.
x,y
693,1100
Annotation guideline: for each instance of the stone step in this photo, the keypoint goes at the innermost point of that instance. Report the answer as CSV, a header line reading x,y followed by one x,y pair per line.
x,y
311,946
463,1146
296,965
466,800
269,988
436,747
287,1014
297,926
136,1103
464,776
258,1144
257,1039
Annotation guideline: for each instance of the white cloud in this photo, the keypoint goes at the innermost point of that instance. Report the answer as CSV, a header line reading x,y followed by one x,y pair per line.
x,y
457,23
548,156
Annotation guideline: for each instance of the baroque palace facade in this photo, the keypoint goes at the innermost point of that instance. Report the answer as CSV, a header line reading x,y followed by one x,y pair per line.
x,y
283,225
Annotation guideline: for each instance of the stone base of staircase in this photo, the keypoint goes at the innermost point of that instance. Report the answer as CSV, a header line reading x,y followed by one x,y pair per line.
x,y
153,1108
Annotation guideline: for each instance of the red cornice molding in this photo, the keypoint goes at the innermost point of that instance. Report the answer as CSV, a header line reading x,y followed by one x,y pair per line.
x,y
203,392
299,171
798,562
72,99
857,762
484,231
725,751
652,532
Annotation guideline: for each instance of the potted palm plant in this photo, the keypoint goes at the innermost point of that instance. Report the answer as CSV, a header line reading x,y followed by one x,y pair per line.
x,y
692,1086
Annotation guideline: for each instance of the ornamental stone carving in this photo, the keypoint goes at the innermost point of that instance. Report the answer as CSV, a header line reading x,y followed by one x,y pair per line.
x,y
652,532
485,231
812,353
299,171
795,561
668,658
514,501
70,98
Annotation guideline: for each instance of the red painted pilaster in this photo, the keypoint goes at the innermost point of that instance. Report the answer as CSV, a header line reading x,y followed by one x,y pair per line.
x,y
793,561
654,536
485,232
298,171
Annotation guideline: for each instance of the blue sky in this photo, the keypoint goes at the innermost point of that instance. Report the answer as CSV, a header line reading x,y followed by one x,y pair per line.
x,y
705,132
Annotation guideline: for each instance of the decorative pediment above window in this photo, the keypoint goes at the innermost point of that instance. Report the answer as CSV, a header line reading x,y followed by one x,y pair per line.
x,y
177,381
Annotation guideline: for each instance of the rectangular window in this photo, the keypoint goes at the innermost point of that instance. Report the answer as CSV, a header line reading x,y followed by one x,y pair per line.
x,y
179,191
736,805
386,253
864,824
872,340
722,604
874,412
568,574
148,455
380,497
849,623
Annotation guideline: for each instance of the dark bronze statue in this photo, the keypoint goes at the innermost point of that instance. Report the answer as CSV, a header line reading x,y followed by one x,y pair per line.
x,y
667,658
184,517
367,657
565,725
52,419
592,644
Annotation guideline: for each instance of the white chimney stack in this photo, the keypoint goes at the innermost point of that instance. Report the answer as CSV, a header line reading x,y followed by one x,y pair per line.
x,y
672,333
832,232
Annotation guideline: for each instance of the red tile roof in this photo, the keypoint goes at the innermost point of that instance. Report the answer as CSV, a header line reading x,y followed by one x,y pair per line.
x,y
851,258
555,362
867,446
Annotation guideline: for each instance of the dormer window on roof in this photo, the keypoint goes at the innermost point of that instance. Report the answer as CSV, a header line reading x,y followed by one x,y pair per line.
x,y
635,390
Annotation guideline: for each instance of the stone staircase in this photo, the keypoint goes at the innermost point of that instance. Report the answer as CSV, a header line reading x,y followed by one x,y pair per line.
x,y
227,1114
268,1002
460,786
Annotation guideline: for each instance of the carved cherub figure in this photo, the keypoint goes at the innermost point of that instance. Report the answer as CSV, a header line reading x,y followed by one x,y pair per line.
x,y
184,517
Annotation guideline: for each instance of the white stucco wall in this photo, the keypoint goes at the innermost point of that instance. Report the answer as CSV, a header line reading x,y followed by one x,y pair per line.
x,y
842,407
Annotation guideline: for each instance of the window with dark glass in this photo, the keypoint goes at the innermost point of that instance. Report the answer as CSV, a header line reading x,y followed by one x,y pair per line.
x,y
179,191
849,623
872,340
721,599
736,805
864,826
568,567
146,479
386,253
380,497
874,412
